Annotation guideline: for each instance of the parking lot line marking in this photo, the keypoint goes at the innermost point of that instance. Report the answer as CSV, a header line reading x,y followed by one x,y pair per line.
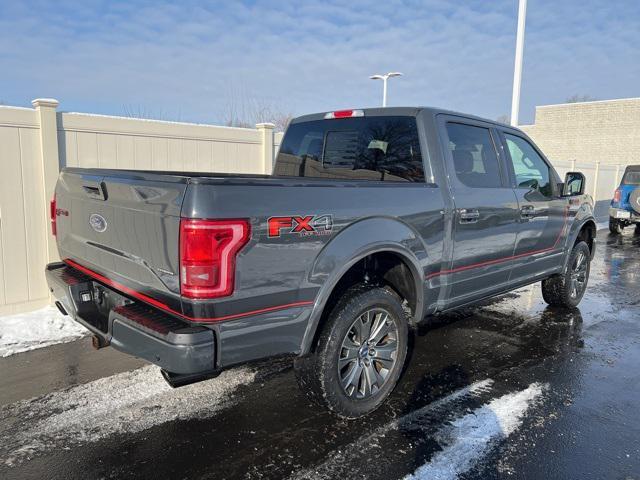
x,y
347,459
470,437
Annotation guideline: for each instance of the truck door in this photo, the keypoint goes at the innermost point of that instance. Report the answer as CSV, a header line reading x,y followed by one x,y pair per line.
x,y
543,213
486,215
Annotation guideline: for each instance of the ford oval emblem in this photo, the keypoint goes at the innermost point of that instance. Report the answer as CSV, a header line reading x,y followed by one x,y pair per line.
x,y
98,222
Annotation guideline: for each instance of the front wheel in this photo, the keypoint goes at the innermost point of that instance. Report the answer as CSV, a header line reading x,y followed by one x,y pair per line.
x,y
359,355
615,226
567,289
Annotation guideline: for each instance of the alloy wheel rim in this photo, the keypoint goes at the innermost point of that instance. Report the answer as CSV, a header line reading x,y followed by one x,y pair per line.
x,y
578,275
368,353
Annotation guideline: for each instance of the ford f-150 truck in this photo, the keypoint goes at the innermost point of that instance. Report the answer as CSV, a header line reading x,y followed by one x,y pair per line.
x,y
374,220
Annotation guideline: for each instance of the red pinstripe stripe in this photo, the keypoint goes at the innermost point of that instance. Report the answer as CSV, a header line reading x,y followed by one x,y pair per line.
x,y
166,308
505,259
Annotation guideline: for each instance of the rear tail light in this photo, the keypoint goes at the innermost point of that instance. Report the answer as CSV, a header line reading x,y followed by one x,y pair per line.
x,y
208,250
344,114
52,213
617,195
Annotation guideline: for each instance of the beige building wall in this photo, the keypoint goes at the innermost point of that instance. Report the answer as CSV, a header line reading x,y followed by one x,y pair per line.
x,y
597,138
605,131
34,143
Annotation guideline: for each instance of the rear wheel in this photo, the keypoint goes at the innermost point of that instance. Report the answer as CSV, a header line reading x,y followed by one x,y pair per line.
x,y
615,226
567,289
359,355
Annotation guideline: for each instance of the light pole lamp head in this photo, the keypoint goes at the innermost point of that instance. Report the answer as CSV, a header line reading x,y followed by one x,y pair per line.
x,y
384,79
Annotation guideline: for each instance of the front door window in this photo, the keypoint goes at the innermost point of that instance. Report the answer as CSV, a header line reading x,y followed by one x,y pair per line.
x,y
530,169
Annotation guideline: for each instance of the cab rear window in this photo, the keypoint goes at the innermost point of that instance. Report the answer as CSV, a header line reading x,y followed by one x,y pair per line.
x,y
362,148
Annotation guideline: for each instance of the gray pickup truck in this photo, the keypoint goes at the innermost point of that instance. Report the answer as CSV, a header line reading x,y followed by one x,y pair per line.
x,y
373,221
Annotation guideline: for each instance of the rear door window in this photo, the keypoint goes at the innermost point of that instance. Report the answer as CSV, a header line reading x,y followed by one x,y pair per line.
x,y
474,156
362,148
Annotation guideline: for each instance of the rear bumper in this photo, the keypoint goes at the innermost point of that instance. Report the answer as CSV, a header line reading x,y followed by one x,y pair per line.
x,y
132,327
623,214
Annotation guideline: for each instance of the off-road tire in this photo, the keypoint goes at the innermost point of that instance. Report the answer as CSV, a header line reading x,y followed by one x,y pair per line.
x,y
318,374
615,226
557,290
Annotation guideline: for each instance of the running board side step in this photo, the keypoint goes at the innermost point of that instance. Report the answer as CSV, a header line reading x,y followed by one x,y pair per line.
x,y
176,380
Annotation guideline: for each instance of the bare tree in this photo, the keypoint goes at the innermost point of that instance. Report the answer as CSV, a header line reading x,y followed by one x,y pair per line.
x,y
243,110
264,112
144,113
580,98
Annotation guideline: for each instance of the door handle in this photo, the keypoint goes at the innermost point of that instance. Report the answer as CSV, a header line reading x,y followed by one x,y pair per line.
x,y
527,212
468,215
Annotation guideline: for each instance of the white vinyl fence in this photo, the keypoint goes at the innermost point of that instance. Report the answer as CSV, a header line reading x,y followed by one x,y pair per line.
x,y
602,180
35,143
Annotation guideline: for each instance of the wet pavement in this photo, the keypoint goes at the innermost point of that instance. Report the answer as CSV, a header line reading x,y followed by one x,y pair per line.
x,y
508,389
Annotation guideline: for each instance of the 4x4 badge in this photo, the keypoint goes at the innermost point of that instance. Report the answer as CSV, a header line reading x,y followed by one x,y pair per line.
x,y
303,225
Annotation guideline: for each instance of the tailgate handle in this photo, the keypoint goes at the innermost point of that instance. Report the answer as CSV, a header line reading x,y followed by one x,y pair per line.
x,y
98,191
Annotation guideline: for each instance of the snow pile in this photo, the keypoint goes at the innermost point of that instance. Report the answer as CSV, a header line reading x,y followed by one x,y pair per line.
x,y
44,327
124,403
471,437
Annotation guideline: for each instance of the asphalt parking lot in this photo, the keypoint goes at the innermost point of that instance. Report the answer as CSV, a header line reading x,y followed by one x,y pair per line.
x,y
508,389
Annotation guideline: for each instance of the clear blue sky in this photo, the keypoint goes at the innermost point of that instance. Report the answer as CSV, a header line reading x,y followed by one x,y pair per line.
x,y
186,60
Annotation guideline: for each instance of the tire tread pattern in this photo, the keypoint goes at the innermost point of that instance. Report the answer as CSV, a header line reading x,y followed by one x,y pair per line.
x,y
315,372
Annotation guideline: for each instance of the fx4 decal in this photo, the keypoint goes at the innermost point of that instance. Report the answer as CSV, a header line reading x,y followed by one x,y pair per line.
x,y
303,225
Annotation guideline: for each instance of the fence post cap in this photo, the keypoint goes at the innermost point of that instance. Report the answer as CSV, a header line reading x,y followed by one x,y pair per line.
x,y
266,125
45,102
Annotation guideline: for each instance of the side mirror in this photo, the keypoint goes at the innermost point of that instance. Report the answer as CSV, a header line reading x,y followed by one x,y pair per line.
x,y
574,183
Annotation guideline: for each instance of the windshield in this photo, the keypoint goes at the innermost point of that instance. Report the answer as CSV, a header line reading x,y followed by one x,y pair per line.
x,y
364,148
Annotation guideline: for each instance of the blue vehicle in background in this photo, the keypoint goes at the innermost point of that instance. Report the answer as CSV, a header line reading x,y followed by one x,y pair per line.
x,y
625,206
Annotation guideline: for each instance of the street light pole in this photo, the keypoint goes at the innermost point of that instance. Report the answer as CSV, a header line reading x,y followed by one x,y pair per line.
x,y
384,91
517,70
384,79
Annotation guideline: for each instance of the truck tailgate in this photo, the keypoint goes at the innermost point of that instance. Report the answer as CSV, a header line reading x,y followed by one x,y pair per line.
x,y
123,225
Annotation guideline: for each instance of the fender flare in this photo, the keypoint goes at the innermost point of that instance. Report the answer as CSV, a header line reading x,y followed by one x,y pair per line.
x,y
573,235
359,240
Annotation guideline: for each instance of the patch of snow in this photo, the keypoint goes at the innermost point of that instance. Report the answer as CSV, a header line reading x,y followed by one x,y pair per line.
x,y
471,437
27,331
124,403
345,462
